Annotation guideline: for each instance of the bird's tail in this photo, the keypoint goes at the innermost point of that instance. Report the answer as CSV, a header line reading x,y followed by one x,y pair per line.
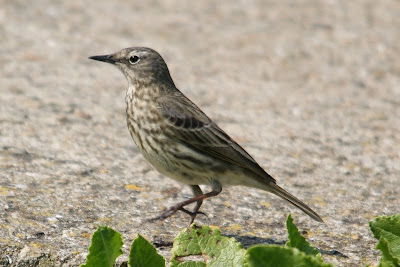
x,y
277,190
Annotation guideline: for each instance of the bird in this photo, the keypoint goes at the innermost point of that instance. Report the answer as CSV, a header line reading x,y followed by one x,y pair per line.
x,y
179,140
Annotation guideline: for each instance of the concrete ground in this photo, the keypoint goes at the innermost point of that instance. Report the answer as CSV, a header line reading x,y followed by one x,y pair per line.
x,y
311,89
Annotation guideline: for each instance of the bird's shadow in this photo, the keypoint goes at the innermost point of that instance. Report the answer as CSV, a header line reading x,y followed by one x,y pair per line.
x,y
248,241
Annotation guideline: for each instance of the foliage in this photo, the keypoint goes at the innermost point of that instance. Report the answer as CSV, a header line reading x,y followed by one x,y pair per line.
x,y
387,231
207,246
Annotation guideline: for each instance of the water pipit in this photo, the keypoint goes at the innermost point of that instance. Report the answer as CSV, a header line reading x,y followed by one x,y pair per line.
x,y
179,140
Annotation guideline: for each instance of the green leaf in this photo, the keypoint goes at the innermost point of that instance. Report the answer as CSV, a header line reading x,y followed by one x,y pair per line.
x,y
104,249
273,255
296,240
386,260
143,253
217,250
387,231
192,264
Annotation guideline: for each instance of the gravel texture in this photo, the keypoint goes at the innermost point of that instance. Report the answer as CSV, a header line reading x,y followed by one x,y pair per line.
x,y
311,89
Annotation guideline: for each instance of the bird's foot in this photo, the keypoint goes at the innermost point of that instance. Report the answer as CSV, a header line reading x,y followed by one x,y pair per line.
x,y
169,212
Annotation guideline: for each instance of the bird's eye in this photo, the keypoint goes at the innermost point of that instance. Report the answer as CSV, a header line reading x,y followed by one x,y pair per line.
x,y
134,59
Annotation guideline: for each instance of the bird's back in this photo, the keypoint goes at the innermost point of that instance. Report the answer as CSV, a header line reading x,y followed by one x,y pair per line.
x,y
180,140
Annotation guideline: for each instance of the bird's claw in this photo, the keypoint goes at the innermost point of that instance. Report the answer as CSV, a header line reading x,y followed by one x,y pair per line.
x,y
169,212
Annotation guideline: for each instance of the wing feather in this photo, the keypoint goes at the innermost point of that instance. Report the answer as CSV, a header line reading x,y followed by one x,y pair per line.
x,y
199,132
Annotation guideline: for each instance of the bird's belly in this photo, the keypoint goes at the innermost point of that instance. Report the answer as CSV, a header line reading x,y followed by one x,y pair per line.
x,y
180,167
172,158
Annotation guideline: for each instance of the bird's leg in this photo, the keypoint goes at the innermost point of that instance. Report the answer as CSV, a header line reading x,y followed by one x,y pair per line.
x,y
198,198
196,192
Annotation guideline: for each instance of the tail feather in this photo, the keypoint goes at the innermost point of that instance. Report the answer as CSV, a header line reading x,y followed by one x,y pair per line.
x,y
279,191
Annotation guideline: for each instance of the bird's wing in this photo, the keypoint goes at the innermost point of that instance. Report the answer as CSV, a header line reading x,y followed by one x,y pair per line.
x,y
194,129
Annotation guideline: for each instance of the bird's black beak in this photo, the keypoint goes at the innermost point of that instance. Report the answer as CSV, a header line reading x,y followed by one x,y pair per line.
x,y
104,58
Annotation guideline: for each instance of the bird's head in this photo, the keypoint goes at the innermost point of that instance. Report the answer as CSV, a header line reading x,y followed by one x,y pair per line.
x,y
138,64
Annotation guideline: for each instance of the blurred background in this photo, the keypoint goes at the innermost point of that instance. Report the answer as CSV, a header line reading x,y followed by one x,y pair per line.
x,y
309,88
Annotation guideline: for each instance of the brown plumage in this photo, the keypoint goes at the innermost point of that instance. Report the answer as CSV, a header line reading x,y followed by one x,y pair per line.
x,y
179,140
